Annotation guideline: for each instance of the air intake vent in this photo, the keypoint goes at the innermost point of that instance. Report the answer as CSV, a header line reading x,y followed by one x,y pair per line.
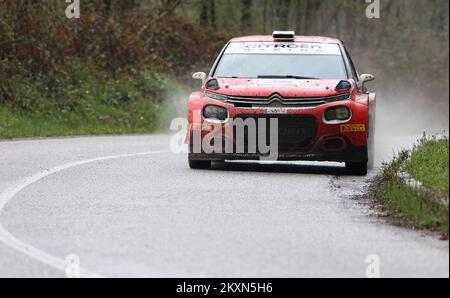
x,y
284,35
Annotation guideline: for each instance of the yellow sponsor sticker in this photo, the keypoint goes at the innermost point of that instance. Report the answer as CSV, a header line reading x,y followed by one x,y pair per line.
x,y
201,127
353,128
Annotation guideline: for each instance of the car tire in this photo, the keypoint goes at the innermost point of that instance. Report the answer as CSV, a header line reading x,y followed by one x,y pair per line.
x,y
356,168
200,164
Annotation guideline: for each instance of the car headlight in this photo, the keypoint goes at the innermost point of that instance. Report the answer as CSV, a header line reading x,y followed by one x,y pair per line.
x,y
215,113
337,114
216,96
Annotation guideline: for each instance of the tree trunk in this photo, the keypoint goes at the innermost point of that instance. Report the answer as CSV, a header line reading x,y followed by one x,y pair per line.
x,y
247,15
204,12
212,10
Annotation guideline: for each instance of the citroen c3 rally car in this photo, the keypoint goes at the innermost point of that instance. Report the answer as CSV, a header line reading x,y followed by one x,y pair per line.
x,y
308,86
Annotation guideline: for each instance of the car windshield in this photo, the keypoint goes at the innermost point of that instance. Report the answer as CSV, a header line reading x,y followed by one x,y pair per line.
x,y
325,67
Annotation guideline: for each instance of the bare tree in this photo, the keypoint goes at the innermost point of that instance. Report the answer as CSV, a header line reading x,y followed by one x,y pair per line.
x,y
204,12
212,10
168,6
247,15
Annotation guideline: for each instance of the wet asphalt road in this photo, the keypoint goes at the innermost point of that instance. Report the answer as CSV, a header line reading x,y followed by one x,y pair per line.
x,y
149,215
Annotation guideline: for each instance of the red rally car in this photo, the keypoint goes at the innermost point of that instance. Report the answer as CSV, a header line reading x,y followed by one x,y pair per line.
x,y
303,94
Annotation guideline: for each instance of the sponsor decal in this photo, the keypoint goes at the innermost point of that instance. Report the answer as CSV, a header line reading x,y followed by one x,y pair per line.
x,y
288,48
276,111
201,127
353,128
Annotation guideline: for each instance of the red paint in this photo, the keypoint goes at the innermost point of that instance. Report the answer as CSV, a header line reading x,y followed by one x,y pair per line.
x,y
358,103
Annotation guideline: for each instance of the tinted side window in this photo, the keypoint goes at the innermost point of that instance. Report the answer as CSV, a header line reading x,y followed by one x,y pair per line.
x,y
354,73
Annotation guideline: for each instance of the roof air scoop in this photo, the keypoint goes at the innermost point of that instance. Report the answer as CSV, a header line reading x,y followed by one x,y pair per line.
x,y
284,35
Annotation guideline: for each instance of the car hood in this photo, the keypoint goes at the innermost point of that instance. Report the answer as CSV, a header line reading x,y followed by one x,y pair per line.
x,y
285,87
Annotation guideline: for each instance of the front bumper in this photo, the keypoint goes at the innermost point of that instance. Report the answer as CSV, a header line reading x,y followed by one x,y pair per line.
x,y
349,154
343,142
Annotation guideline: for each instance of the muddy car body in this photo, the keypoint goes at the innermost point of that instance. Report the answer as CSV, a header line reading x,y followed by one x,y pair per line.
x,y
308,84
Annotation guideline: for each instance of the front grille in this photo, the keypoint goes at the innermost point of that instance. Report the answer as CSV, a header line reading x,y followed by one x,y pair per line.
x,y
276,100
296,133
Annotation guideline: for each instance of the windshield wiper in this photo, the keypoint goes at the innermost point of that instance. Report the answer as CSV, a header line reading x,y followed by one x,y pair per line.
x,y
286,77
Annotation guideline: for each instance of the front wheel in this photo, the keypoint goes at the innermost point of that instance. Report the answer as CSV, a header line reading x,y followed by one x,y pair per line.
x,y
356,168
200,164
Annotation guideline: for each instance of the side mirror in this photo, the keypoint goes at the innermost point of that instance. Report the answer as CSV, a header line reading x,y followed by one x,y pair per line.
x,y
364,79
200,76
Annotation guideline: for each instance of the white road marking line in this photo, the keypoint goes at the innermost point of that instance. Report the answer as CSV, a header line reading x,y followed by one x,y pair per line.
x,y
35,253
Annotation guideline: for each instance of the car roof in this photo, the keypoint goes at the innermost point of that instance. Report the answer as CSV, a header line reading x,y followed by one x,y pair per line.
x,y
269,38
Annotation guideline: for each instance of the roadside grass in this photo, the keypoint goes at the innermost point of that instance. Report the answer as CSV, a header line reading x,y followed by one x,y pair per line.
x,y
81,103
13,125
427,163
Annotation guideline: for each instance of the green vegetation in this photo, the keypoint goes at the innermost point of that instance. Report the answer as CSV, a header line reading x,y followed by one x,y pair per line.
x,y
428,163
110,72
83,103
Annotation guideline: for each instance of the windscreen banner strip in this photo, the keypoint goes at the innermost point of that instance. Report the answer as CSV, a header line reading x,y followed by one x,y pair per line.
x,y
288,48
